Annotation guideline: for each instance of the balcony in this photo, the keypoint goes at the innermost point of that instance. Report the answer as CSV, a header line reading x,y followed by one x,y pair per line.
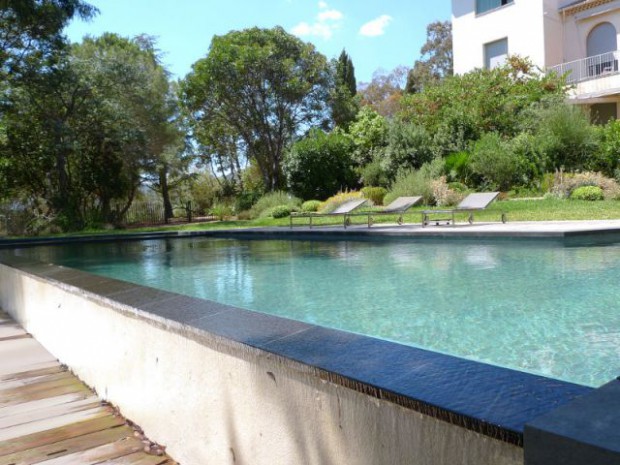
x,y
595,79
594,67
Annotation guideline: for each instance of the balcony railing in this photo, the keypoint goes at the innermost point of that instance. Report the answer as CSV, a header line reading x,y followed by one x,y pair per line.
x,y
589,68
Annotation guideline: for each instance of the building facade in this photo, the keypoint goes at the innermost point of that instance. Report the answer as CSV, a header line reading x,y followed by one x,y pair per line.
x,y
579,38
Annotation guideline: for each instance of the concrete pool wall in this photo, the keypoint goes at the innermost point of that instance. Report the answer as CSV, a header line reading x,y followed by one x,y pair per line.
x,y
217,384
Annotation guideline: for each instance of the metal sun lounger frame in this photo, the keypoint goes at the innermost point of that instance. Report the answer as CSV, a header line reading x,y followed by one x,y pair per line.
x,y
470,204
345,209
398,207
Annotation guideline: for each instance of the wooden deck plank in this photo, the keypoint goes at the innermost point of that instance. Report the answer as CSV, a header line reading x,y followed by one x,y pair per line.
x,y
56,368
66,447
49,417
23,417
27,407
105,452
23,382
59,434
139,458
23,355
49,423
53,392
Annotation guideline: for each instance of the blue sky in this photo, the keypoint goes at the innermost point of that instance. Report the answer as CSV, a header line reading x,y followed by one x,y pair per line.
x,y
376,33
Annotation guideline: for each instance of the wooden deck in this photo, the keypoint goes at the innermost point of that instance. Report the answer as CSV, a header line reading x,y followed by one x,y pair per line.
x,y
49,417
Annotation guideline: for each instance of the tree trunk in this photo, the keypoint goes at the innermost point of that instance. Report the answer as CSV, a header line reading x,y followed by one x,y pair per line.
x,y
165,192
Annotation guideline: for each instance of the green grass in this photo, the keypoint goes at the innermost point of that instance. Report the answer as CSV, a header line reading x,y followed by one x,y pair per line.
x,y
516,210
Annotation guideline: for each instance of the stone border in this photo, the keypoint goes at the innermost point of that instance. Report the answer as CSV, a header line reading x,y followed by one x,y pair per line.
x,y
601,230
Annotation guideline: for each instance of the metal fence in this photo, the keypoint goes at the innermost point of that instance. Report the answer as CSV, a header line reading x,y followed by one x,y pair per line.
x,y
152,213
588,68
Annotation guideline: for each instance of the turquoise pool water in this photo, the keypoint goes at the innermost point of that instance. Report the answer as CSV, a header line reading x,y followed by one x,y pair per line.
x,y
539,307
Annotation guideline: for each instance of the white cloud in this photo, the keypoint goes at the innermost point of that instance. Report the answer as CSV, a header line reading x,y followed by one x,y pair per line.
x,y
376,27
330,15
316,30
327,21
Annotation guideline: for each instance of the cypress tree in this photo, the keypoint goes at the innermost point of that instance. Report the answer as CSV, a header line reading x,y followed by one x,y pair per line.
x,y
346,72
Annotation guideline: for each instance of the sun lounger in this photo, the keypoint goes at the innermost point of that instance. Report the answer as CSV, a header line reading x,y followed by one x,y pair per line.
x,y
343,210
472,203
398,207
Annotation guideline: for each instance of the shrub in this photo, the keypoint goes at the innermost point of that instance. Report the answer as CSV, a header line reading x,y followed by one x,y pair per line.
x,y
374,194
530,161
244,215
221,211
457,166
609,148
565,183
416,182
335,201
408,146
203,192
368,132
442,194
494,161
320,165
566,137
591,193
310,206
245,200
264,205
374,173
458,187
281,211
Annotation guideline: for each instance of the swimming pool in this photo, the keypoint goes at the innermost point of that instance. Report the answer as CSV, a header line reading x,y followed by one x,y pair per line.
x,y
535,306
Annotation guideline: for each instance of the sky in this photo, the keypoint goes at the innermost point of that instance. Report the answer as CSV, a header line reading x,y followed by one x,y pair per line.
x,y
377,34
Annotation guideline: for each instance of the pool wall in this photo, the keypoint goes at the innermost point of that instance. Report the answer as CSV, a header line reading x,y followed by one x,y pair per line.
x,y
217,384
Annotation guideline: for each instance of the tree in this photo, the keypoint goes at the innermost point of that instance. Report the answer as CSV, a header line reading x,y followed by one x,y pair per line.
x,y
34,27
342,99
83,130
436,61
265,86
319,165
385,90
368,134
345,73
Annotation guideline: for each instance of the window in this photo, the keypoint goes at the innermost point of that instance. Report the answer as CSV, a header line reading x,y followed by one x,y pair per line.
x,y
602,39
495,53
486,5
602,113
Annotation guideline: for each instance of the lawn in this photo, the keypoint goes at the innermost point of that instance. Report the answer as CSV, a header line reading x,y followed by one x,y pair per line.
x,y
516,210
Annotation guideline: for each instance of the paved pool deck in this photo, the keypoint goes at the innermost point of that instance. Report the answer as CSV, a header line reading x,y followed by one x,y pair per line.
x,y
516,229
487,230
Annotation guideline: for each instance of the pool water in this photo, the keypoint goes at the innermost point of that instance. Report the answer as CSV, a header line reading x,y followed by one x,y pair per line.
x,y
539,307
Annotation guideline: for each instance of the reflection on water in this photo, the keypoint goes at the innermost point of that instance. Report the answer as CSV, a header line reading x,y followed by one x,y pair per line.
x,y
532,306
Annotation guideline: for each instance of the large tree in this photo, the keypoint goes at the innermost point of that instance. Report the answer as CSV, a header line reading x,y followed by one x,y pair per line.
x,y
436,61
262,85
384,92
82,132
34,27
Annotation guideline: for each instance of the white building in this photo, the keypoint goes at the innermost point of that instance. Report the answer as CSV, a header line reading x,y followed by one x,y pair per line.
x,y
579,37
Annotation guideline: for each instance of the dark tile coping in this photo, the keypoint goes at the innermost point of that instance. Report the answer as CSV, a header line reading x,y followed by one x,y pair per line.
x,y
585,431
322,233
491,400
